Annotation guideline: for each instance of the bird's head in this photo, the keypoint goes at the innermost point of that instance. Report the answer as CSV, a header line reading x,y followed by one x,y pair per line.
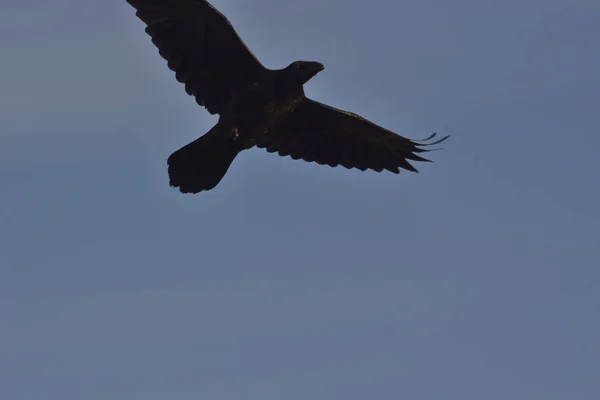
x,y
304,70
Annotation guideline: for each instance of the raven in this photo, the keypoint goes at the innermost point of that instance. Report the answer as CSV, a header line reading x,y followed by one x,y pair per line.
x,y
257,106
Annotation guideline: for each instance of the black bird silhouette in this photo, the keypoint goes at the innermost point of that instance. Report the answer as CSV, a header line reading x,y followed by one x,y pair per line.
x,y
257,106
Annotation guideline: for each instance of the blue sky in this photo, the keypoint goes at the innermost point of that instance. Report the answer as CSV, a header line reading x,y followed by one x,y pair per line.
x,y
477,278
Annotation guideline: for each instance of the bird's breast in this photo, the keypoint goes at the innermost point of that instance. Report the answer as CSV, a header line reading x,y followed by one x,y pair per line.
x,y
263,118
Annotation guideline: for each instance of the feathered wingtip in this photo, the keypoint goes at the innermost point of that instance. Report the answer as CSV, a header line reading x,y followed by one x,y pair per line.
x,y
418,144
422,143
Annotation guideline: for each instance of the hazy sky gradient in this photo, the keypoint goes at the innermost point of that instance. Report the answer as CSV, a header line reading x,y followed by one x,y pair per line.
x,y
476,279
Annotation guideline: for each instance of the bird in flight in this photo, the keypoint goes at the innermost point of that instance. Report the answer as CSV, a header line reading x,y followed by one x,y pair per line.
x,y
257,106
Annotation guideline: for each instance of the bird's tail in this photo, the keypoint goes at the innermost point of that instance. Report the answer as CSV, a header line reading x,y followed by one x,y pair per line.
x,y
202,164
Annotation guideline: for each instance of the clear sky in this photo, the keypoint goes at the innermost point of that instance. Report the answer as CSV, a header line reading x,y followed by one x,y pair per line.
x,y
478,278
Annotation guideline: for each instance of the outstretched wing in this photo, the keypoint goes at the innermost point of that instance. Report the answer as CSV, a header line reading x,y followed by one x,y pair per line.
x,y
201,47
327,135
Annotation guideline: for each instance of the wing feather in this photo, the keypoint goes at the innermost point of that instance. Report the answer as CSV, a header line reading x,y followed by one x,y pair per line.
x,y
201,47
316,132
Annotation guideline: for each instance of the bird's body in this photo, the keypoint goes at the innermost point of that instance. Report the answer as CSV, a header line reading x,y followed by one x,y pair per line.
x,y
260,107
257,106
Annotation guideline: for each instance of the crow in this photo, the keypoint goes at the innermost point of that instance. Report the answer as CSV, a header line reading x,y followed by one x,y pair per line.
x,y
257,106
